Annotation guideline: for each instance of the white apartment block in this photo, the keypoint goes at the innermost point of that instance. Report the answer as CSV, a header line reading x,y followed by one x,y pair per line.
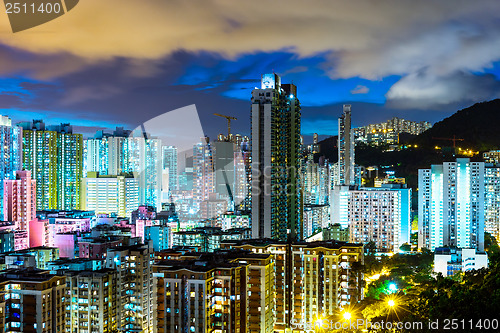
x,y
109,194
449,261
451,205
381,215
492,200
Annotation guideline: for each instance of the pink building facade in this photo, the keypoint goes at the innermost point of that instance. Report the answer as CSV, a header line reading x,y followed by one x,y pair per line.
x,y
19,200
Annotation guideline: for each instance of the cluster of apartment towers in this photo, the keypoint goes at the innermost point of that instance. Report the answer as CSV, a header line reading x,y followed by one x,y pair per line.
x,y
269,283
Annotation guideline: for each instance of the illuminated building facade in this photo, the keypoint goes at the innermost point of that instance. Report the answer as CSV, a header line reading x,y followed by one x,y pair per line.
x,y
227,292
110,194
276,150
208,239
54,155
315,217
451,205
450,261
135,299
492,156
11,138
34,301
345,163
91,301
492,200
6,241
203,172
169,172
19,200
379,215
42,254
312,280
124,152
316,184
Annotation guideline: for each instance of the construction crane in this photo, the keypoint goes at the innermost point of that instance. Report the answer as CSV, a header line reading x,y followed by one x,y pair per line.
x,y
229,118
454,139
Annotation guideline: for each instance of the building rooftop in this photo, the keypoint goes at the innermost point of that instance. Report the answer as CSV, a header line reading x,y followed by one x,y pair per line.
x,y
34,275
267,242
206,261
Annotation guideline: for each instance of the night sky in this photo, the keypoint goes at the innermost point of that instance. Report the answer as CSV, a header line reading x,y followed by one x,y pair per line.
x,y
123,62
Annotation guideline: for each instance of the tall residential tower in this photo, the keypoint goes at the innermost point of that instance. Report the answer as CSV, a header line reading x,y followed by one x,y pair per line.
x,y
54,155
346,149
11,151
451,205
276,211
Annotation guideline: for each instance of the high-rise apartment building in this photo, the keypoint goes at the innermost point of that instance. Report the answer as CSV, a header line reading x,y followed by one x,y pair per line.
x,y
169,172
135,299
242,177
170,163
34,301
110,194
492,199
316,183
379,215
203,171
345,163
91,300
11,150
54,155
314,148
451,205
492,156
388,132
276,149
315,218
126,152
19,200
312,280
226,292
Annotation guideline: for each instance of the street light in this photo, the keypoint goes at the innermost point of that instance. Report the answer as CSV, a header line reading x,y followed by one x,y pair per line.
x,y
391,303
347,315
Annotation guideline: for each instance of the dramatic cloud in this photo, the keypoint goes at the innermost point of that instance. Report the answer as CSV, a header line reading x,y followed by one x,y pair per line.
x,y
424,90
122,56
365,37
360,90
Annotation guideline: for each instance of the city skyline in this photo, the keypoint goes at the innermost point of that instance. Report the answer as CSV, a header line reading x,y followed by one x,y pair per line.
x,y
380,63
221,166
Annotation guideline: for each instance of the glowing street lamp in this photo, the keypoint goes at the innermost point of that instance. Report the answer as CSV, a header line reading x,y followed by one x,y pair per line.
x,y
393,287
391,303
347,315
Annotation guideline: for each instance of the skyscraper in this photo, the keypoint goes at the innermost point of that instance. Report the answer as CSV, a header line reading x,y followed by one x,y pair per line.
x,y
380,215
492,200
55,158
311,279
203,171
451,205
126,152
19,199
169,165
134,302
276,142
346,149
10,153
